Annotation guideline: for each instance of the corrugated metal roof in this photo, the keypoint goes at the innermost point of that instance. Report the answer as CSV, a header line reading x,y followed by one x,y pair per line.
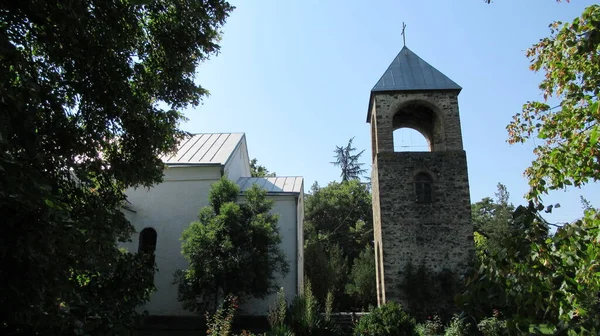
x,y
279,184
410,72
205,149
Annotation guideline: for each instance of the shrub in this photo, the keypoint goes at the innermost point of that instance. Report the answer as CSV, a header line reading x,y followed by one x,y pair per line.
x,y
277,313
458,327
277,317
219,324
492,326
433,326
388,319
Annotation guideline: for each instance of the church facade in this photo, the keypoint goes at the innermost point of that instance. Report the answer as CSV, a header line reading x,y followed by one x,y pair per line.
x,y
421,201
161,213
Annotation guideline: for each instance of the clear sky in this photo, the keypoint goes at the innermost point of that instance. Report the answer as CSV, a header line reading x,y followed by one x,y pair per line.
x,y
295,76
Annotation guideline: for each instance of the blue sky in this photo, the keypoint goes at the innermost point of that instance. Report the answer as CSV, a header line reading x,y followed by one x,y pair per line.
x,y
295,76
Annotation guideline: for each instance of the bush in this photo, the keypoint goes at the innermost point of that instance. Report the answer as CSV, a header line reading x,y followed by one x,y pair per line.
x,y
219,324
433,326
492,326
458,327
305,317
388,319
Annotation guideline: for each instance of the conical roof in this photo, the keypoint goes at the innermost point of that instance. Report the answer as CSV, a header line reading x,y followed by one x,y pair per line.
x,y
409,72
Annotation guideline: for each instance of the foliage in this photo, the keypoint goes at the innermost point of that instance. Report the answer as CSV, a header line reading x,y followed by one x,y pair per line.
x,y
537,278
337,227
388,319
277,316
305,317
80,122
432,326
326,268
340,213
362,280
492,218
348,162
219,323
329,306
257,170
277,313
458,327
568,134
492,326
233,248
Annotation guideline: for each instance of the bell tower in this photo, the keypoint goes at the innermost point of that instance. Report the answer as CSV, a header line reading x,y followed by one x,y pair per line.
x,y
421,201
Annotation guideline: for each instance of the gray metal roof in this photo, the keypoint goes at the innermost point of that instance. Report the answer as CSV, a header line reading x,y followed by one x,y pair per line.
x,y
410,72
273,185
205,149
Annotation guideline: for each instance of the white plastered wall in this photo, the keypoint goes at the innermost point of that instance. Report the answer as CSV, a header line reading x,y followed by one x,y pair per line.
x,y
169,208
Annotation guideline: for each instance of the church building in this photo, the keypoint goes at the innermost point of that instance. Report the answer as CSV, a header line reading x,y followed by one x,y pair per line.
x,y
161,213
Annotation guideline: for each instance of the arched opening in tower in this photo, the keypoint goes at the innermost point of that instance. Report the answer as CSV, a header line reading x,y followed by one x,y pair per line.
x,y
410,140
416,128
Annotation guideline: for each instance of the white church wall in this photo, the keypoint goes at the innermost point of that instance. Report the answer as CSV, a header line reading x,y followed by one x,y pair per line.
x,y
300,241
238,165
169,208
172,205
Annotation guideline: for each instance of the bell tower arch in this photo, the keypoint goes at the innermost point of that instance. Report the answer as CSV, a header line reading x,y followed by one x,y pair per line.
x,y
421,201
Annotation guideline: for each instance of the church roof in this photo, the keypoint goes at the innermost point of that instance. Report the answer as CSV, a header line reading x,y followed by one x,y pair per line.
x,y
409,72
273,185
205,149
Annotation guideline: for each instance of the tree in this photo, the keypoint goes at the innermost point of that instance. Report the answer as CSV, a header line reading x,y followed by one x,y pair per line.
x,y
492,218
537,277
326,267
362,285
568,152
257,170
233,248
337,227
80,121
340,213
348,162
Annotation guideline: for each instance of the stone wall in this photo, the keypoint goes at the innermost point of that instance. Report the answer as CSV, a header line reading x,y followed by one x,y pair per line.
x,y
437,235
444,105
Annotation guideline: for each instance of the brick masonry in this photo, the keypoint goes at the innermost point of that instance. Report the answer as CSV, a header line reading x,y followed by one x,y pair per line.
x,y
438,235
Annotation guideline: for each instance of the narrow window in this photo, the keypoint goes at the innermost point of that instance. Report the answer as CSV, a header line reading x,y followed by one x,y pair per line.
x,y
423,192
148,243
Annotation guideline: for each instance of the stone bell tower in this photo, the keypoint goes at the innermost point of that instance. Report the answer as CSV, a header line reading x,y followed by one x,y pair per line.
x,y
421,202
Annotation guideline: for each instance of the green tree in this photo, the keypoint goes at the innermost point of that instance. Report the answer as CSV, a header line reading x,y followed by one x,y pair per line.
x,y
88,104
233,248
257,170
347,160
362,280
326,267
568,150
537,277
337,227
492,218
340,213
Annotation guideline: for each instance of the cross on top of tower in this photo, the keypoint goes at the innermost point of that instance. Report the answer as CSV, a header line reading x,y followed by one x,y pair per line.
x,y
404,33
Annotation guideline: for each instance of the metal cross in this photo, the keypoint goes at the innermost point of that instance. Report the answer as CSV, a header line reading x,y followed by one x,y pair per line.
x,y
403,33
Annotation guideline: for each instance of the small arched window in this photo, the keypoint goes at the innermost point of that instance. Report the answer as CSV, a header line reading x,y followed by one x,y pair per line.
x,y
147,243
423,188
